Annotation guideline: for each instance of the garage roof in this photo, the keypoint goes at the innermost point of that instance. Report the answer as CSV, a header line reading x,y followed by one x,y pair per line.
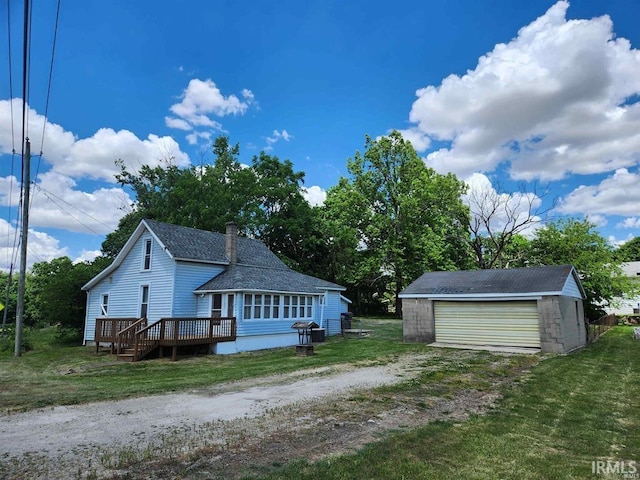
x,y
512,282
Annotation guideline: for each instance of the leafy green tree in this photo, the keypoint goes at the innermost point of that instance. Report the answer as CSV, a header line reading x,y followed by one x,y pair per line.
x,y
577,242
629,251
405,217
54,291
10,301
264,199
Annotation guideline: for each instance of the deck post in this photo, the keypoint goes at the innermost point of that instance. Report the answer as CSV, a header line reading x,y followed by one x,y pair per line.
x,y
174,353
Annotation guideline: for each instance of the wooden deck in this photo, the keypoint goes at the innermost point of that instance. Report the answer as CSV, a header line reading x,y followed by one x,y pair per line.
x,y
133,339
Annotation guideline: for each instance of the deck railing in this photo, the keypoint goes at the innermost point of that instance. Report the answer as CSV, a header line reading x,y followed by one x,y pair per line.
x,y
127,336
138,338
107,330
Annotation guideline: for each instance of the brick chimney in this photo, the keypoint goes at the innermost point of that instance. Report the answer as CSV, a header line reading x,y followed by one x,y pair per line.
x,y
232,242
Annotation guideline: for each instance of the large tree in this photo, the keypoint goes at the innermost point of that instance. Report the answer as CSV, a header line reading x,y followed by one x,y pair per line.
x,y
54,291
499,219
577,242
265,200
404,217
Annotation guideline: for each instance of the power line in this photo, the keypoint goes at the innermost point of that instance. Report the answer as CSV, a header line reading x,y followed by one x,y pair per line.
x,y
13,136
46,108
49,195
13,144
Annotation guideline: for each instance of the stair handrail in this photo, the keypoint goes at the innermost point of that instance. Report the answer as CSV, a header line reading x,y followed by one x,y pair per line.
x,y
139,352
125,335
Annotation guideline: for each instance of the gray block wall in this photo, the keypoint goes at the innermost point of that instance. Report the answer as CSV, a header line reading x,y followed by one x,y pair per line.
x,y
418,322
561,321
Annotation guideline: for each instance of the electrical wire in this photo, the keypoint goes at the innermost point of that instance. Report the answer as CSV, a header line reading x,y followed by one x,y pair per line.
x,y
13,136
13,142
46,108
51,197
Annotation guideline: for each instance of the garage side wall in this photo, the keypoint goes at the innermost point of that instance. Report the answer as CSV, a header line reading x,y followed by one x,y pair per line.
x,y
573,327
418,322
561,324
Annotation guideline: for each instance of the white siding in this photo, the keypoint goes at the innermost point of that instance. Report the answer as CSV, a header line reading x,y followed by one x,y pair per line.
x,y
189,276
123,287
571,288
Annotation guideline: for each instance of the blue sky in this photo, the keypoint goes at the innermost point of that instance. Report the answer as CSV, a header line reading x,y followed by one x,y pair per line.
x,y
498,92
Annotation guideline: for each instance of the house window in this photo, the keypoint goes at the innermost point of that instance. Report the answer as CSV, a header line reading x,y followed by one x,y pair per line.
x,y
276,306
146,261
230,300
216,306
269,306
144,301
297,306
104,305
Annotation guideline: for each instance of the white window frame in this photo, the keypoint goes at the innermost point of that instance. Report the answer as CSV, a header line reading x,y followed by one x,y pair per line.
x,y
104,305
269,306
147,249
144,305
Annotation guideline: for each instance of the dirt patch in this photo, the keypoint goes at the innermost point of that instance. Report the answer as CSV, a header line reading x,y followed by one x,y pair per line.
x,y
233,429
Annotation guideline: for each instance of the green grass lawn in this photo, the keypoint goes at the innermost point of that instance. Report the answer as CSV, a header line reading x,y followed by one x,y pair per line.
x,y
551,423
569,412
54,374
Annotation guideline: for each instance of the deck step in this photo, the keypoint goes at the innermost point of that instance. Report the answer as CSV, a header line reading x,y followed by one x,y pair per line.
x,y
126,357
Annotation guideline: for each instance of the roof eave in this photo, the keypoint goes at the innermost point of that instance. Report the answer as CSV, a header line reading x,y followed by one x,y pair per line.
x,y
476,296
121,255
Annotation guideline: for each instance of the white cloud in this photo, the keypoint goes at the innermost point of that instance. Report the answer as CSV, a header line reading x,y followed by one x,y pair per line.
x,y
614,242
178,123
630,222
41,247
314,195
617,194
202,98
275,137
598,220
92,157
502,210
57,203
418,139
551,101
194,137
87,256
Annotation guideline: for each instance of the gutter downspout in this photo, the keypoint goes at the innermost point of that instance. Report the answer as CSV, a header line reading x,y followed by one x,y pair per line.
x,y
324,301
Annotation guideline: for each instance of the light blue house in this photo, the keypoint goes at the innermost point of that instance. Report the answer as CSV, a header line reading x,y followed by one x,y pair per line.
x,y
169,271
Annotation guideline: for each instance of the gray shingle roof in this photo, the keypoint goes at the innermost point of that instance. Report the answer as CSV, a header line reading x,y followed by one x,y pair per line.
x,y
258,268
201,245
528,280
241,277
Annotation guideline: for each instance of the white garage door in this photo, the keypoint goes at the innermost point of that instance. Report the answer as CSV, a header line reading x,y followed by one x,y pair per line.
x,y
488,323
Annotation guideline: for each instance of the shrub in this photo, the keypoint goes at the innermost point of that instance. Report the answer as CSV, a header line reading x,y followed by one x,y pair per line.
x,y
8,339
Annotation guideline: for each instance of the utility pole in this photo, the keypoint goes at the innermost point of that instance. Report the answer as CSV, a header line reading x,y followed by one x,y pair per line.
x,y
4,312
26,180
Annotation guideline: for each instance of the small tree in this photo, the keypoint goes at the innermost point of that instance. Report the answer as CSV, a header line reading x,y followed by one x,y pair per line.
x,y
576,242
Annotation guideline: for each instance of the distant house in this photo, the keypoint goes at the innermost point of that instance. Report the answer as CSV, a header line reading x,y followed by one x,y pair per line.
x,y
626,306
536,307
169,271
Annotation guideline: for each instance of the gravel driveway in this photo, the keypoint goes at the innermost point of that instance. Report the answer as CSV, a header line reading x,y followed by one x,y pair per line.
x,y
81,433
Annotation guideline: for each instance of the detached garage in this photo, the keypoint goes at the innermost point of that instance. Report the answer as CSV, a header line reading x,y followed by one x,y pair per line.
x,y
537,307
